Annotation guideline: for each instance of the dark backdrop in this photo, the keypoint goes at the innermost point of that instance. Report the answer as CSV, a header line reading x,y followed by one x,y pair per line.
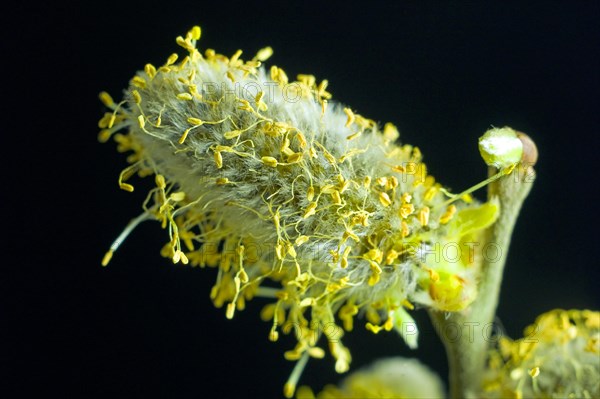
x,y
442,72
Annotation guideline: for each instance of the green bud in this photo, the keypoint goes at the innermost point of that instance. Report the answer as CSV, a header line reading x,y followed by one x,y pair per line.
x,y
500,147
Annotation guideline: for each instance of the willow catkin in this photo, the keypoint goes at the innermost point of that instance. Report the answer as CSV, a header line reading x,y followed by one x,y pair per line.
x,y
293,198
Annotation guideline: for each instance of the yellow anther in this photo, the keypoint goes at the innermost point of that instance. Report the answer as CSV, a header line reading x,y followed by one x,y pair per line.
x,y
322,91
450,211
222,181
185,43
310,210
335,256
301,240
382,181
111,121
184,135
136,96
407,304
392,183
279,251
279,76
389,324
343,186
534,372
350,153
308,80
367,181
416,154
150,70
259,102
107,257
245,105
295,157
223,148
344,261
185,96
264,54
230,310
336,197
285,144
349,234
433,275
288,390
424,216
330,158
138,81
269,161
375,254
406,210
195,121
327,189
346,314
385,199
124,175
341,355
218,159
106,99
234,58
391,256
308,302
210,53
180,256
390,132
103,122
233,134
195,33
374,278
350,115
141,121
301,140
404,230
104,135
291,250
186,59
430,193
172,58
160,182
354,135
178,196
316,352
364,122
373,328
310,193
361,218
406,198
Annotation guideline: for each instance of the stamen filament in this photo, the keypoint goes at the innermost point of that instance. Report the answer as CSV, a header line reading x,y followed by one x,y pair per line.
x,y
476,187
126,231
290,386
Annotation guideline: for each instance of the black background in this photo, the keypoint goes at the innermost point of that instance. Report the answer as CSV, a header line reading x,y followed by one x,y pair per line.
x,y
442,72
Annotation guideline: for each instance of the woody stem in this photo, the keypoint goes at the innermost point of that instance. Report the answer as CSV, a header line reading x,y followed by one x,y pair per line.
x,y
466,335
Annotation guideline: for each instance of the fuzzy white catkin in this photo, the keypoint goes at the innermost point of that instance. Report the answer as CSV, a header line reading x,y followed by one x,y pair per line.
x,y
558,357
292,198
388,378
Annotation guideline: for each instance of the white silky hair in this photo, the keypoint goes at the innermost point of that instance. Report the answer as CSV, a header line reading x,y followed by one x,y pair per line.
x,y
191,166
